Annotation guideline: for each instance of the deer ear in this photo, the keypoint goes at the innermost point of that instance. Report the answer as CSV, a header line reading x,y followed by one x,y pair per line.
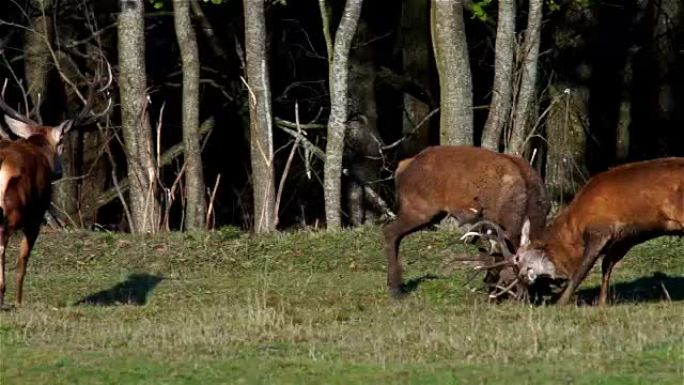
x,y
19,128
525,233
58,132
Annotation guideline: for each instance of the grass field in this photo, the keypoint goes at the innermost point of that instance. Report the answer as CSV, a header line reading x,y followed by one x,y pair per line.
x,y
311,307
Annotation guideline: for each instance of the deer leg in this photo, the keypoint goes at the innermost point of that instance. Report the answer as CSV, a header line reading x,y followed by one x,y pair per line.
x,y
606,268
3,244
27,242
394,232
592,249
609,262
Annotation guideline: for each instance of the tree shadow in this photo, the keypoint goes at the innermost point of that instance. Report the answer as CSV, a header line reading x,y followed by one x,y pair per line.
x,y
657,287
132,291
411,285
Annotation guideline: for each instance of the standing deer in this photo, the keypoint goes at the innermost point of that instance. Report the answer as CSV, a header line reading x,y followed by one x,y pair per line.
x,y
615,211
468,183
28,166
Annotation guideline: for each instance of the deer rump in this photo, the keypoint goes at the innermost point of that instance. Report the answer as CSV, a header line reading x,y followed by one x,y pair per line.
x,y
614,211
469,184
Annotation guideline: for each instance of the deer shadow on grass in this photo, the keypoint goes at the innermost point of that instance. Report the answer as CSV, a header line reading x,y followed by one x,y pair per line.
x,y
133,291
412,285
658,287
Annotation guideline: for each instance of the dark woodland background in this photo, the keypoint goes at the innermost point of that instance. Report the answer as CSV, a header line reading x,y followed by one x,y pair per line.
x,y
622,62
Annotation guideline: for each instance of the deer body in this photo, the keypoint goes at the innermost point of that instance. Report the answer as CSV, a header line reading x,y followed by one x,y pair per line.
x,y
468,183
27,167
615,211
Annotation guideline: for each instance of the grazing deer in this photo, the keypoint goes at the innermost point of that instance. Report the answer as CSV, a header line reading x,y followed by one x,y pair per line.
x,y
28,166
615,211
468,183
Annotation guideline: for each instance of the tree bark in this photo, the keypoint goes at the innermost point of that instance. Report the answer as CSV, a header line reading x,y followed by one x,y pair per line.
x,y
144,203
195,206
37,65
566,128
455,81
339,73
415,32
625,113
362,152
527,91
260,115
38,61
502,90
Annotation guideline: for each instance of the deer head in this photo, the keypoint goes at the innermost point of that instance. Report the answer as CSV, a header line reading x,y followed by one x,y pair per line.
x,y
532,259
48,139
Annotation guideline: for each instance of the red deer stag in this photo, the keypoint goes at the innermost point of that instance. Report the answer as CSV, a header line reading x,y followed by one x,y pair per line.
x,y
615,211
468,183
27,168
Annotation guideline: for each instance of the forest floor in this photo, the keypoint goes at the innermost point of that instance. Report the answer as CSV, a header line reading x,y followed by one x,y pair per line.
x,y
312,308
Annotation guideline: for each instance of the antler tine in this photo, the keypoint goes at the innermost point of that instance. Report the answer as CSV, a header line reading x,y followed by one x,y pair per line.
x,y
506,262
11,112
87,116
499,236
504,290
110,77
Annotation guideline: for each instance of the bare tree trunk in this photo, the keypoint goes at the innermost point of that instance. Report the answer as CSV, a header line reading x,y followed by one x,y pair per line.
x,y
195,206
455,82
38,61
566,128
625,112
260,115
527,91
144,204
339,73
362,152
415,32
502,91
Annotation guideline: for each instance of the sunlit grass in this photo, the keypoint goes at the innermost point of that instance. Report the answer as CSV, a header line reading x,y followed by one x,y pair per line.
x,y
311,307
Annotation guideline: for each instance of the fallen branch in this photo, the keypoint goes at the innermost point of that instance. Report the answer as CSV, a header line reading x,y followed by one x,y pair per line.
x,y
164,160
373,197
305,126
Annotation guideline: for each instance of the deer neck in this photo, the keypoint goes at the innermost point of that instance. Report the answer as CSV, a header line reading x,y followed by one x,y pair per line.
x,y
564,245
45,148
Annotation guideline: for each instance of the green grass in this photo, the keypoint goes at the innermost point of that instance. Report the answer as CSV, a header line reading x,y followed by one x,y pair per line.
x,y
309,307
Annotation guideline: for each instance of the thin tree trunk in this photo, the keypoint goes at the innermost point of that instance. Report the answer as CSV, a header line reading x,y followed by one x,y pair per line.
x,y
362,154
339,73
455,81
528,83
625,113
415,32
145,208
261,125
502,91
38,61
566,128
195,206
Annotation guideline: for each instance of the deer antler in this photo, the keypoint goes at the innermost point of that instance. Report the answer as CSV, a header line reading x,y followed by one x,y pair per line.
x,y
508,255
87,116
11,112
505,290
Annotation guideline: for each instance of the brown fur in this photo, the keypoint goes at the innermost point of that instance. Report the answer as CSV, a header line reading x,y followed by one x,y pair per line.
x,y
26,166
468,183
615,211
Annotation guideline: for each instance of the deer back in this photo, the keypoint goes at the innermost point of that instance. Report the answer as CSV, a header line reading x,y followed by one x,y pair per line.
x,y
454,179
